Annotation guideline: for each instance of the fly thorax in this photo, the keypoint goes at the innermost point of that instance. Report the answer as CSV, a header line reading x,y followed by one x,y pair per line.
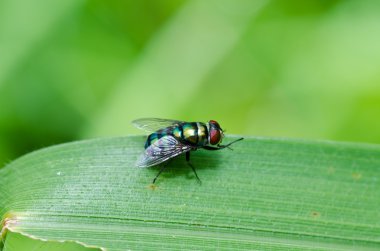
x,y
202,134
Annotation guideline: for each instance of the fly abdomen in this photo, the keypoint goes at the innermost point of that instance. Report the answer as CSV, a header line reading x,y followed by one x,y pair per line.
x,y
151,139
156,136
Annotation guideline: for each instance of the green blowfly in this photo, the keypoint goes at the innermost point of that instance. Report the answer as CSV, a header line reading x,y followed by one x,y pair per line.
x,y
170,138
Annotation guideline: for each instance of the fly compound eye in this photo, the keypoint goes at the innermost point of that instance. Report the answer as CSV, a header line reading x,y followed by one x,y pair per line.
x,y
215,136
215,123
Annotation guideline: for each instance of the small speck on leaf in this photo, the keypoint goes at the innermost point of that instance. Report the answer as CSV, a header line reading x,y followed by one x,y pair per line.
x,y
356,176
315,214
152,187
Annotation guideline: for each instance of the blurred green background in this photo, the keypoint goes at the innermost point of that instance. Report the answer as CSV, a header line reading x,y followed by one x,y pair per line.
x,y
79,69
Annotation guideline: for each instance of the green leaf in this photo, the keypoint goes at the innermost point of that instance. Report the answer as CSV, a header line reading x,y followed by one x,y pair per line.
x,y
19,242
276,194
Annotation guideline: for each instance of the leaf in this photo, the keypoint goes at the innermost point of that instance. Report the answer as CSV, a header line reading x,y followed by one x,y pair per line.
x,y
19,242
276,194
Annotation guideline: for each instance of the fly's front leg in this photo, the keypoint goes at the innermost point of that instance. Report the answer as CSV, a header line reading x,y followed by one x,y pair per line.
x,y
192,167
218,147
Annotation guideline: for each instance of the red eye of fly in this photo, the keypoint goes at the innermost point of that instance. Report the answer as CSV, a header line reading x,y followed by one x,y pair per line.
x,y
215,123
214,136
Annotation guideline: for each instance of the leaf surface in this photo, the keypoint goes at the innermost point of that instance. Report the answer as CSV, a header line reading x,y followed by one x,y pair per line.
x,y
276,194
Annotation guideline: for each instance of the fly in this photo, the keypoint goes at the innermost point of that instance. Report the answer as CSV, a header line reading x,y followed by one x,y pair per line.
x,y
170,138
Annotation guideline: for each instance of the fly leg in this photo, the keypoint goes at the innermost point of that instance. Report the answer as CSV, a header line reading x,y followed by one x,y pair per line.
x,y
218,147
161,170
192,167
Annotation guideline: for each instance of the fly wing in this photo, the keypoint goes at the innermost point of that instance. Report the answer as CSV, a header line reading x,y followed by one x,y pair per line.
x,y
154,124
161,150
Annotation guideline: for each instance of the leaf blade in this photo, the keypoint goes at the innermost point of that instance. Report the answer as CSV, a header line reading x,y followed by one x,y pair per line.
x,y
267,193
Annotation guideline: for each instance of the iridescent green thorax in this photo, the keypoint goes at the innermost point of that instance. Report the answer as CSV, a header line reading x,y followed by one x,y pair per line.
x,y
191,133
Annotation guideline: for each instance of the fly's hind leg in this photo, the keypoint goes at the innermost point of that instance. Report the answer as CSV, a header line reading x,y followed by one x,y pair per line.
x,y
192,167
161,170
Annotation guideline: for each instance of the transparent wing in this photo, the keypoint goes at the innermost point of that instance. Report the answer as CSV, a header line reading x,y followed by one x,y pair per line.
x,y
154,124
163,149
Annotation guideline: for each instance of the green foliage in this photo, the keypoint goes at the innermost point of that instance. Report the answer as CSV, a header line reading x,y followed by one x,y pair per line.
x,y
273,194
78,69
18,242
